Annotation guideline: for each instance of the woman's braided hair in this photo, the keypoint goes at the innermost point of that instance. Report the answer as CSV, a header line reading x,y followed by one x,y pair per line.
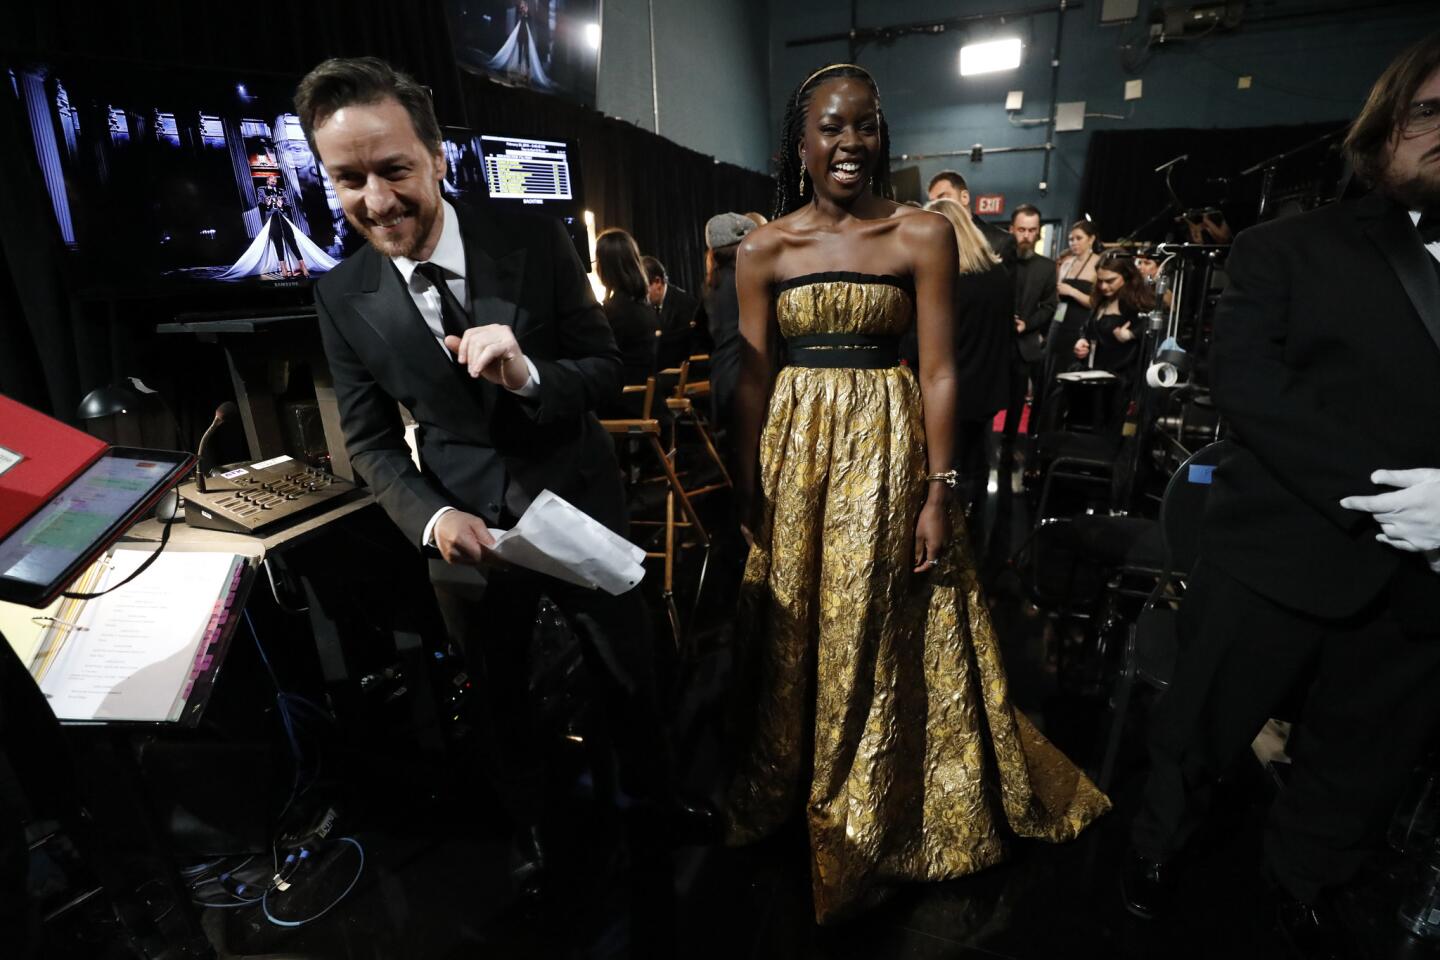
x,y
792,130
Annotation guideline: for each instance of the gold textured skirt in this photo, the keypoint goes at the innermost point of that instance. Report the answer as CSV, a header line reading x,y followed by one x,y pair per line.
x,y
876,696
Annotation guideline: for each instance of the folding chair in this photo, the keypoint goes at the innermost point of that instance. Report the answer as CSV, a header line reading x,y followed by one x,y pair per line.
x,y
1153,641
646,429
684,411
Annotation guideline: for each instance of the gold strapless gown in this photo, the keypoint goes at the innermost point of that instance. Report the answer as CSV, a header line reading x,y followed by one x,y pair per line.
x,y
882,702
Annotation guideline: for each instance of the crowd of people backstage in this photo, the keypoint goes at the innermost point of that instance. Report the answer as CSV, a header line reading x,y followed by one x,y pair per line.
x,y
1021,319
879,711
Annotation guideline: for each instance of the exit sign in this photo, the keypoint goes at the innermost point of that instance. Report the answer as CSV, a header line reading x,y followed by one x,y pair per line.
x,y
989,204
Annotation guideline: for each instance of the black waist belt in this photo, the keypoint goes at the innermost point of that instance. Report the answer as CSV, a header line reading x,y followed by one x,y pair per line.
x,y
843,350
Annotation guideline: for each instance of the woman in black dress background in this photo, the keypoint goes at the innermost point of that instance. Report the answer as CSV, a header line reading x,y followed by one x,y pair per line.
x,y
1112,330
1110,337
984,329
634,322
1075,283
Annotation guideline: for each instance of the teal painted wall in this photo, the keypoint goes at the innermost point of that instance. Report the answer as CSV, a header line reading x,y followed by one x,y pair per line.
x,y
712,68
1303,70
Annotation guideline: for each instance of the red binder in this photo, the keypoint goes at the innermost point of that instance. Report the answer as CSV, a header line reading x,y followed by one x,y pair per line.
x,y
39,455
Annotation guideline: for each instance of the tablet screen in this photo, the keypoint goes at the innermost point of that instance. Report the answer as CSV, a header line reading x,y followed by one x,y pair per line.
x,y
86,515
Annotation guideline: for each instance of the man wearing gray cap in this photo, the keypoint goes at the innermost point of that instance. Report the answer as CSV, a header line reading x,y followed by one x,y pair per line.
x,y
723,233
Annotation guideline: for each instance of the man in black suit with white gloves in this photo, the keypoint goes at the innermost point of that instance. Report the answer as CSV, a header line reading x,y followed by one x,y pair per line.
x,y
482,324
1326,364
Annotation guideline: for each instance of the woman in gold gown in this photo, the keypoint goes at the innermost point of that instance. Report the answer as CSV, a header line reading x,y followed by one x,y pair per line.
x,y
879,703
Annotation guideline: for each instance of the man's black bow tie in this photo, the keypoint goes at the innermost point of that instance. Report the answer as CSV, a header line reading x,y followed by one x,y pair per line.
x,y
1429,226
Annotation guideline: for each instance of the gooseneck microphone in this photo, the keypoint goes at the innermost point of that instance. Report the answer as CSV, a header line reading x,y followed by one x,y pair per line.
x,y
1170,163
223,412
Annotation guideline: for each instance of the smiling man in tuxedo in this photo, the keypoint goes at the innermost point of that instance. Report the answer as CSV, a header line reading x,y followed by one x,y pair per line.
x,y
1325,363
481,323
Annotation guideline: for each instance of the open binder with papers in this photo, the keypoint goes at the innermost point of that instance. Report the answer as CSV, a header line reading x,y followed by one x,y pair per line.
x,y
149,651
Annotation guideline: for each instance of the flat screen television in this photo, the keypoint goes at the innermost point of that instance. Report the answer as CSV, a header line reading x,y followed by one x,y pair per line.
x,y
198,182
552,46
528,171
166,180
541,175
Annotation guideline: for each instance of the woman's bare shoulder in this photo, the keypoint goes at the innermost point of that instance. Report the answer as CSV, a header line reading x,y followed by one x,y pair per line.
x,y
920,225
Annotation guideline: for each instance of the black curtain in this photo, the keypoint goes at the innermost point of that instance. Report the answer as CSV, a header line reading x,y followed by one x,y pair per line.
x,y
54,348
1123,194
659,191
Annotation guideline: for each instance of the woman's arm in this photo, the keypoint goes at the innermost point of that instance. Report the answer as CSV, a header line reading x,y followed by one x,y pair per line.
x,y
1076,294
1124,325
935,270
1081,350
754,279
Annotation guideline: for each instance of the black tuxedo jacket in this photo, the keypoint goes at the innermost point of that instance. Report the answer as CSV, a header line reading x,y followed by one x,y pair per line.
x,y
1035,303
677,320
1326,363
984,328
478,443
1001,241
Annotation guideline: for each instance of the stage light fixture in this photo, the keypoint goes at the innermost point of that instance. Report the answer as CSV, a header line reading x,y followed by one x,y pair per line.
x,y
989,57
592,35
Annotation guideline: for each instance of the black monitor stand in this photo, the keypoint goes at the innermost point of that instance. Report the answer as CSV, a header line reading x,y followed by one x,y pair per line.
x,y
260,349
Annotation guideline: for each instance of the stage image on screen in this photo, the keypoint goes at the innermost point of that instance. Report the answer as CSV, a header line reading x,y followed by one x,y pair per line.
x,y
548,45
161,178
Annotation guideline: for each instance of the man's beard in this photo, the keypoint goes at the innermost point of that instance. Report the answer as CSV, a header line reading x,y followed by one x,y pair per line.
x,y
406,247
1024,250
1414,193
1419,191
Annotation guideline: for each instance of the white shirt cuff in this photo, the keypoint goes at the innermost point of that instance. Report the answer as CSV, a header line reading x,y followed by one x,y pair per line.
x,y
428,539
532,386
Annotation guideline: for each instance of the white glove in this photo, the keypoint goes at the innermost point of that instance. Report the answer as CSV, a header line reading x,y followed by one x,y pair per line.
x,y
1409,516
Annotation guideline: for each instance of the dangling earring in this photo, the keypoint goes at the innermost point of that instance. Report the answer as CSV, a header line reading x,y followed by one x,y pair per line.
x,y
802,181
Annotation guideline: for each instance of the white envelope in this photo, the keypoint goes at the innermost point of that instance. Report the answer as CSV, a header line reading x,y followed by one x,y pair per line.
x,y
557,539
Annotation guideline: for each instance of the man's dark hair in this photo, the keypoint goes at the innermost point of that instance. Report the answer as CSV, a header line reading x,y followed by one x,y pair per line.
x,y
792,131
654,269
1024,209
1389,101
347,82
951,176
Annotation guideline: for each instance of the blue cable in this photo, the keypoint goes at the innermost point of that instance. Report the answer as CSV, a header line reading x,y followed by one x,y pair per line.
x,y
285,719
265,906
312,706
202,868
227,906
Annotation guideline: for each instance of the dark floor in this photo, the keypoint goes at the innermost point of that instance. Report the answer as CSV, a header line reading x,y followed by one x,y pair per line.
x,y
435,879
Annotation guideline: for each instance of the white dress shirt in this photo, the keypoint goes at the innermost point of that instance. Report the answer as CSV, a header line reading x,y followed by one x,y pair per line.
x,y
1434,248
448,255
